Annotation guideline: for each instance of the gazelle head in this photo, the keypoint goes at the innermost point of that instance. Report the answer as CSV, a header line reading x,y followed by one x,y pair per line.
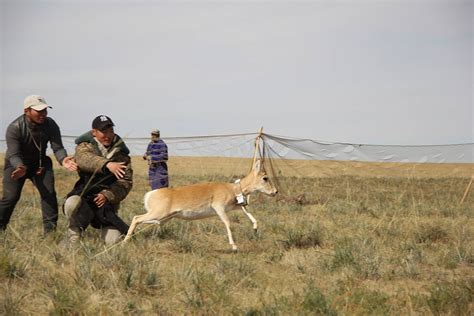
x,y
260,181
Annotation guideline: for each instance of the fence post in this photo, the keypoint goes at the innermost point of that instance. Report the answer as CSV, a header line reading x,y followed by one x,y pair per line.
x,y
467,190
257,146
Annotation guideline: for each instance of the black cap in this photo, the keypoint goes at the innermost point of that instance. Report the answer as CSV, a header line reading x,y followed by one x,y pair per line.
x,y
101,122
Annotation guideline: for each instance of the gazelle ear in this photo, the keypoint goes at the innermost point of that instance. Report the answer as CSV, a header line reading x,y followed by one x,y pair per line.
x,y
257,166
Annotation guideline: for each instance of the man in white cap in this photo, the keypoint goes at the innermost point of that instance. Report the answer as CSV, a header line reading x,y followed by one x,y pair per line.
x,y
27,138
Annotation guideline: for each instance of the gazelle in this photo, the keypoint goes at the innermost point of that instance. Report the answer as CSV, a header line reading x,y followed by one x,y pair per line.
x,y
203,200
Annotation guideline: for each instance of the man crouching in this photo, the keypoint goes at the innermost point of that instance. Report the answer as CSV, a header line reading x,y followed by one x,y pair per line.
x,y
105,180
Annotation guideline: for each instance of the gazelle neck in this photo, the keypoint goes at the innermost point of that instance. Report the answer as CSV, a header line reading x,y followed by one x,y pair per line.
x,y
246,184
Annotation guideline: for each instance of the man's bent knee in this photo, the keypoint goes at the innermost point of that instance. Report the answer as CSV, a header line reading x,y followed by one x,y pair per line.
x,y
71,205
111,235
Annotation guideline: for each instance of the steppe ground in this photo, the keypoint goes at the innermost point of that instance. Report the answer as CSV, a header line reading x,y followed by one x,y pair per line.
x,y
340,239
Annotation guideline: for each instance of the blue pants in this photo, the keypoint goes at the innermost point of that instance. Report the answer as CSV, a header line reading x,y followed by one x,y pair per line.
x,y
158,176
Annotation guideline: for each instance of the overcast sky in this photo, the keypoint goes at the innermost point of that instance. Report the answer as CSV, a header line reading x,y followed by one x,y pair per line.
x,y
377,72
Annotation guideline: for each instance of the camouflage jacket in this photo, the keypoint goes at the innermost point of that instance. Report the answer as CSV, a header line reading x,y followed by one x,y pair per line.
x,y
94,175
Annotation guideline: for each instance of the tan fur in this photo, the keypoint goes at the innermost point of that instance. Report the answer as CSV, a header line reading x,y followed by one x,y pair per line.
x,y
202,200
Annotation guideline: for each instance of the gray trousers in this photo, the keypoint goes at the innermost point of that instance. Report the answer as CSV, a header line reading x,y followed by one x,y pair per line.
x,y
45,185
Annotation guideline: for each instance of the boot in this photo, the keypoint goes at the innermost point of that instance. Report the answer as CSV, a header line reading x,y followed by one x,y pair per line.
x,y
74,235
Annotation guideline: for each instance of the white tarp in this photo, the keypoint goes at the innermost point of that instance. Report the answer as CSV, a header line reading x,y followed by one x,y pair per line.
x,y
307,149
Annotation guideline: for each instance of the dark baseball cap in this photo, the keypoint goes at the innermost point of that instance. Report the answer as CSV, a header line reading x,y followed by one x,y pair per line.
x,y
101,122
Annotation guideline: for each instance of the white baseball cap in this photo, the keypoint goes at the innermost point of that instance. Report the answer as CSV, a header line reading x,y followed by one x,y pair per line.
x,y
35,102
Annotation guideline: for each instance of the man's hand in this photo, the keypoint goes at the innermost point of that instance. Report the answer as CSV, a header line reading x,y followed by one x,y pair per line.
x,y
19,172
100,200
117,168
69,163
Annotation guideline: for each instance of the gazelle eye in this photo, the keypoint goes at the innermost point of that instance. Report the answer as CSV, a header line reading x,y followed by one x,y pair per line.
x,y
265,178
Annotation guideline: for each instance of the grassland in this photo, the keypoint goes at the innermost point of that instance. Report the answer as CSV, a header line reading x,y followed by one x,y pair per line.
x,y
341,239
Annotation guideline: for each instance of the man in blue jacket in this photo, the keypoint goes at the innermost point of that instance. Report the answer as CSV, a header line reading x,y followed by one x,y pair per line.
x,y
157,156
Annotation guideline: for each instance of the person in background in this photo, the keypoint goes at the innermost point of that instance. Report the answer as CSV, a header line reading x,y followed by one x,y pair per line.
x,y
27,138
157,156
105,179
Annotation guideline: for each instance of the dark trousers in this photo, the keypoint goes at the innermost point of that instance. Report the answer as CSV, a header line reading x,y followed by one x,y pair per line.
x,y
104,217
45,185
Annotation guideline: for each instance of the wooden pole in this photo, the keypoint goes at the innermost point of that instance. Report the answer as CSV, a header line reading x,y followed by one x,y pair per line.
x,y
257,146
467,190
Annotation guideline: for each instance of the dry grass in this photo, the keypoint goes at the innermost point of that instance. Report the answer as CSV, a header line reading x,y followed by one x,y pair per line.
x,y
346,238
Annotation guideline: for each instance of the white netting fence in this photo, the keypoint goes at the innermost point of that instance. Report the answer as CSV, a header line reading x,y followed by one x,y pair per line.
x,y
227,157
222,155
243,145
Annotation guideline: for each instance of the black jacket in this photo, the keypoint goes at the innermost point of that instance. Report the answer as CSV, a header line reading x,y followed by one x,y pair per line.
x,y
27,142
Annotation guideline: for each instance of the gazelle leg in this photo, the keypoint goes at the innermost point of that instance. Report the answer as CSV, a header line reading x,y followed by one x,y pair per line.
x,y
162,220
147,218
252,219
135,221
226,221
